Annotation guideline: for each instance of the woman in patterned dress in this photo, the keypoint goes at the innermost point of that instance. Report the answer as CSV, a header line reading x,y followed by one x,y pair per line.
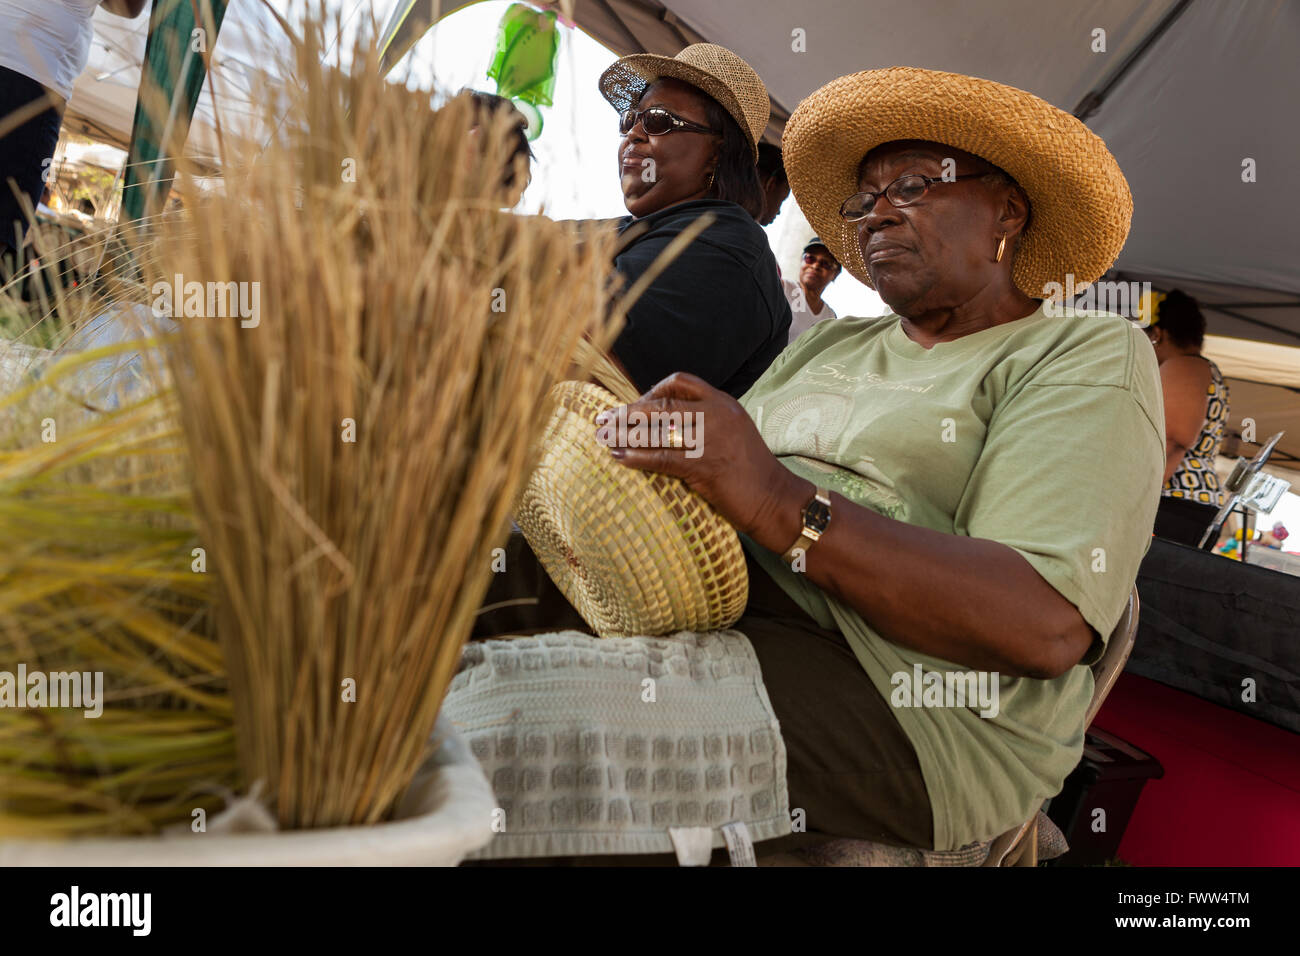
x,y
1196,410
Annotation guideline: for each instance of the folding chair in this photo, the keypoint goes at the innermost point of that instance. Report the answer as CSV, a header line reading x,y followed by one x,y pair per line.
x,y
1019,847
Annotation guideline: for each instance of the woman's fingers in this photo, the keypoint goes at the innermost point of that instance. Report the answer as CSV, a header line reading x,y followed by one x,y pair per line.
x,y
664,432
664,461
670,416
672,428
680,385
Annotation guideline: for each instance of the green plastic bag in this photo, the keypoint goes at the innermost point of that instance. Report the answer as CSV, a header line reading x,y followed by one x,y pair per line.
x,y
528,45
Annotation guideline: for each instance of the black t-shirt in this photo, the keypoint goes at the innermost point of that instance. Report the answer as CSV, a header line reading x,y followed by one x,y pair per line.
x,y
717,311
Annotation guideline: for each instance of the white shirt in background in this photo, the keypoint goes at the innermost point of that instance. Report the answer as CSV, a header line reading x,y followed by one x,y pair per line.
x,y
47,40
803,317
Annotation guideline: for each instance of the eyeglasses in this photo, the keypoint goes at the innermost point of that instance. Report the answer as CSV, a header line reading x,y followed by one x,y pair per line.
x,y
821,262
657,121
903,191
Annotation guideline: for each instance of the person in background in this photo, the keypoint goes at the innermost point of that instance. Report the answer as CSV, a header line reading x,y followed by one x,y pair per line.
x,y
1275,537
690,126
43,207
1196,410
518,172
817,270
773,182
44,46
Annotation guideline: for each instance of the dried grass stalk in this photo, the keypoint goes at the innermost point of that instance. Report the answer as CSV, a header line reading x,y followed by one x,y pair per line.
x,y
96,536
407,304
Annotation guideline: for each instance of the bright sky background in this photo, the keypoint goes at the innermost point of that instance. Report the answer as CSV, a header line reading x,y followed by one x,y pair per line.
x,y
575,175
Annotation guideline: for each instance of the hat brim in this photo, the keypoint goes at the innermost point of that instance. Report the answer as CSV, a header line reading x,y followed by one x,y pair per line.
x,y
1080,203
626,80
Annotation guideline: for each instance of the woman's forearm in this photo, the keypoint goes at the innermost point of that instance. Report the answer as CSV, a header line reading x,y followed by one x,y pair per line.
x,y
972,601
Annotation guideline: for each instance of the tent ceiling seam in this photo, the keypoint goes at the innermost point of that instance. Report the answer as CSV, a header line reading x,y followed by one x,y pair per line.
x,y
1225,309
1289,333
1128,276
634,44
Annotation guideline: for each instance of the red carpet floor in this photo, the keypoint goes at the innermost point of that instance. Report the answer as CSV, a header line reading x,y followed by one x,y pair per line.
x,y
1230,795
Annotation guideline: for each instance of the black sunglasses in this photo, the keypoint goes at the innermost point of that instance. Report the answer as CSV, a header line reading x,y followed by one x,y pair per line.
x,y
657,121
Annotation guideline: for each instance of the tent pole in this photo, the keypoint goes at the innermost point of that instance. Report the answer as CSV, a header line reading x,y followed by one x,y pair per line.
x,y
170,78
1092,100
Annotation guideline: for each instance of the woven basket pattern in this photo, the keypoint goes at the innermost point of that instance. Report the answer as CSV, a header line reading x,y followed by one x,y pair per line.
x,y
1080,203
635,553
712,68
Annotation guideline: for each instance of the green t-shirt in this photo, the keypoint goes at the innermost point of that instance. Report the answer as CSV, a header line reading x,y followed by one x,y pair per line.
x,y
1045,434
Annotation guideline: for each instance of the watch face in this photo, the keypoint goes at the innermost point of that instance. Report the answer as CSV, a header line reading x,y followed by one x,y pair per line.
x,y
816,516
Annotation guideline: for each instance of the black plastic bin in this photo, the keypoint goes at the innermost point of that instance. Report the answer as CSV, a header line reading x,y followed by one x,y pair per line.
x,y
1109,777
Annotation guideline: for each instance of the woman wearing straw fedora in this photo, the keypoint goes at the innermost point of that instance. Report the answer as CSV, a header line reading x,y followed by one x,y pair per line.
x,y
690,127
954,497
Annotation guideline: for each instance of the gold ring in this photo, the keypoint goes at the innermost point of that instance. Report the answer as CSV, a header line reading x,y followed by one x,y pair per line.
x,y
675,439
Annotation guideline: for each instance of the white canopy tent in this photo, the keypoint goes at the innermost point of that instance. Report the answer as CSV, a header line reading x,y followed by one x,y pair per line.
x,y
103,101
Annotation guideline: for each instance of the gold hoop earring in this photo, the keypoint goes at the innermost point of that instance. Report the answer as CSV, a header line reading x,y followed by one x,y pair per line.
x,y
1002,246
712,173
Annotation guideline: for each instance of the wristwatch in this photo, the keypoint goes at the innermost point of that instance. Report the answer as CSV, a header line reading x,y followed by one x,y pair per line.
x,y
816,519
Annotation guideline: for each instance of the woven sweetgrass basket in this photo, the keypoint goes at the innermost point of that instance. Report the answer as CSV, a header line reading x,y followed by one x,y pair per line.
x,y
635,553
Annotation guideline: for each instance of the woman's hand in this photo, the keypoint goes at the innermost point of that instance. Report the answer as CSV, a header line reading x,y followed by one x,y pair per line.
x,y
686,428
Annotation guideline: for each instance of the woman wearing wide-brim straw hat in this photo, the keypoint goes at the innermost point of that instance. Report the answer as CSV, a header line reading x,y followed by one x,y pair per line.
x,y
944,508
690,126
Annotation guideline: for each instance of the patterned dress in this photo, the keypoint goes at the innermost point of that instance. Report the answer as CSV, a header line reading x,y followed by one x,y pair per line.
x,y
1196,480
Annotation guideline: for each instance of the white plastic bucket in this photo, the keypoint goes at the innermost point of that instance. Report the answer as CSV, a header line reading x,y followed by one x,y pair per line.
x,y
446,814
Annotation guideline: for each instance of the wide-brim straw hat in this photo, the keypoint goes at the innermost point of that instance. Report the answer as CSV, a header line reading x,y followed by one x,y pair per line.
x,y
1080,204
712,68
635,553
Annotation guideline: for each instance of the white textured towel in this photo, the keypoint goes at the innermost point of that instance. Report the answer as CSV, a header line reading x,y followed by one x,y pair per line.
x,y
602,746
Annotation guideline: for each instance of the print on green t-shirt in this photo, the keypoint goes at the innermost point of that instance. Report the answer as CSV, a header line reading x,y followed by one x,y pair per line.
x,y
1045,434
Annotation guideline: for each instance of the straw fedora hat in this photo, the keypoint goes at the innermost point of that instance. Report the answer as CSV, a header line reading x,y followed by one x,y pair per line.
x,y
1080,205
712,68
